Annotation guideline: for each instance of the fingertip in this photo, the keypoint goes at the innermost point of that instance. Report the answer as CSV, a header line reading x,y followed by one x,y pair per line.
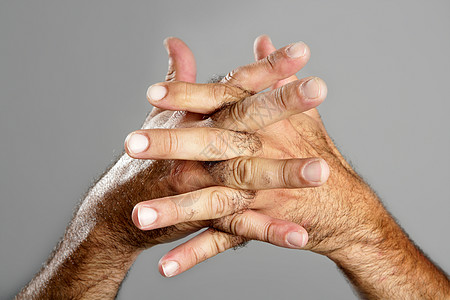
x,y
160,270
297,50
168,268
156,93
134,216
181,60
166,44
263,38
167,39
262,46
144,217
316,172
136,142
325,170
323,88
297,239
313,89
172,39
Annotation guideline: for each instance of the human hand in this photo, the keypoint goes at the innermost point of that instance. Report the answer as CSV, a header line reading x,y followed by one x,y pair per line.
x,y
344,218
175,176
247,165
101,242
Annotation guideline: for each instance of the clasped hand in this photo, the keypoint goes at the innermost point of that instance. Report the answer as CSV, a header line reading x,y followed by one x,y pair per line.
x,y
243,156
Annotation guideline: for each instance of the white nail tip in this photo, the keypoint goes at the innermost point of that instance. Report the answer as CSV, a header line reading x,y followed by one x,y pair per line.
x,y
137,143
156,92
146,216
170,268
296,50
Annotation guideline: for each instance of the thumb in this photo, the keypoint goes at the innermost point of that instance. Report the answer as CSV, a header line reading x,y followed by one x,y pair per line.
x,y
182,65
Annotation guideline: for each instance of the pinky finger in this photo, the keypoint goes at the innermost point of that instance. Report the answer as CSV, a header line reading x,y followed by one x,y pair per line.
x,y
257,226
243,226
205,245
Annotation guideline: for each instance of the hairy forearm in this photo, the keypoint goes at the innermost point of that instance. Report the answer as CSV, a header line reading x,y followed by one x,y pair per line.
x,y
101,243
387,265
81,270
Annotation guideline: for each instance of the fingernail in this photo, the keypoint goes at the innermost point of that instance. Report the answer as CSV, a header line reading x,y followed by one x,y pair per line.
x,y
170,268
156,92
146,216
137,143
296,50
314,171
296,239
311,88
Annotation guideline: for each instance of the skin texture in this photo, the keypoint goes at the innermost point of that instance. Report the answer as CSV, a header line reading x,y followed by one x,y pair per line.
x,y
344,218
101,242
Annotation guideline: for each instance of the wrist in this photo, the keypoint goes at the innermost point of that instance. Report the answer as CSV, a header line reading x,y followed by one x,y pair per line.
x,y
368,240
87,268
387,265
107,208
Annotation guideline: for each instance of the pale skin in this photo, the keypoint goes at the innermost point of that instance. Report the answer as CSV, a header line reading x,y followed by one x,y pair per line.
x,y
256,191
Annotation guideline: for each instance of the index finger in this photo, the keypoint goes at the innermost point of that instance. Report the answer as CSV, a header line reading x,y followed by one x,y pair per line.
x,y
237,85
267,71
262,48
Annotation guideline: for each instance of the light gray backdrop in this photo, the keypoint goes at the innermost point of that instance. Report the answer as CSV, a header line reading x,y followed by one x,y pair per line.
x,y
73,76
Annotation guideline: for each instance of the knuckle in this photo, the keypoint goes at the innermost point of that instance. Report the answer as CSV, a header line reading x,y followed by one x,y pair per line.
x,y
247,198
234,76
281,98
246,143
268,232
270,63
238,201
222,224
187,91
237,111
176,212
242,172
235,80
218,204
171,73
221,93
241,225
220,241
198,254
169,142
219,140
237,225
284,175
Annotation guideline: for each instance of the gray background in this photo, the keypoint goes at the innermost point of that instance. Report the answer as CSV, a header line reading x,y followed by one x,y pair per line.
x,y
73,76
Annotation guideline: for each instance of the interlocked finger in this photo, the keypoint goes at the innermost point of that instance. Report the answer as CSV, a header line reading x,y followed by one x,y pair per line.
x,y
237,177
274,67
237,85
201,144
261,110
248,225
